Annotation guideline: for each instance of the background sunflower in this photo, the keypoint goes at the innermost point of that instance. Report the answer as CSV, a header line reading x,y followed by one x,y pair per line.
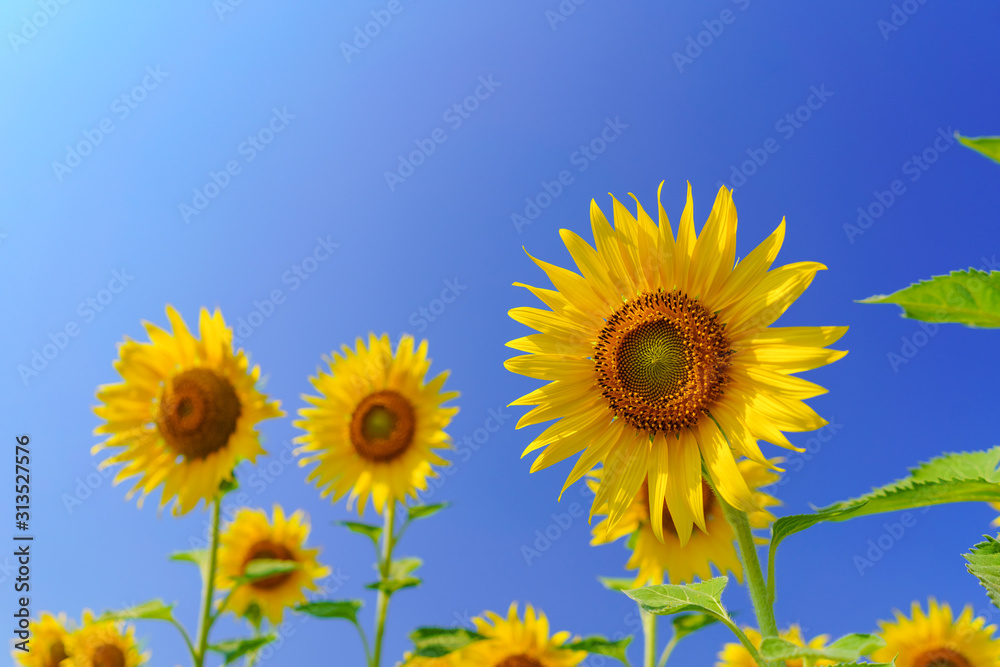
x,y
186,412
938,638
377,425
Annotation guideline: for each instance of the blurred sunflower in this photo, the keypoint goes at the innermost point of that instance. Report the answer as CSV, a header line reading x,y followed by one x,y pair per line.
x,y
937,639
48,642
670,559
736,655
453,659
376,424
512,643
996,521
186,412
103,644
251,536
661,354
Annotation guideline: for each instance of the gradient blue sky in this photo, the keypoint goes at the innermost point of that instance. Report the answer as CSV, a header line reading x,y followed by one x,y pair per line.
x,y
891,95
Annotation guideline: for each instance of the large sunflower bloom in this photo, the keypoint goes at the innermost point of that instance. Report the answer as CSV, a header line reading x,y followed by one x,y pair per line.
x,y
251,536
47,647
736,655
511,642
186,412
668,559
103,644
661,355
937,639
376,424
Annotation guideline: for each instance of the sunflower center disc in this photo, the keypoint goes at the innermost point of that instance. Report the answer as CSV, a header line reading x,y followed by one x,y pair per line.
x,y
941,657
57,653
198,413
267,550
108,655
519,661
382,426
661,361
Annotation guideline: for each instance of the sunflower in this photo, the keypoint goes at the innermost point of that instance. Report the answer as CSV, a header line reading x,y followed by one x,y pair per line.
x,y
996,521
376,424
452,659
661,355
251,536
736,655
103,644
512,643
186,412
47,647
713,546
937,639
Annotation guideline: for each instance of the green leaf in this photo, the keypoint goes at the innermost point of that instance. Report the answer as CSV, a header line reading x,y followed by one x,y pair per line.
x,y
430,642
686,624
228,485
601,646
155,610
423,511
984,563
403,567
988,146
346,609
968,297
265,568
789,525
234,649
197,556
665,599
616,583
949,478
367,529
390,586
849,647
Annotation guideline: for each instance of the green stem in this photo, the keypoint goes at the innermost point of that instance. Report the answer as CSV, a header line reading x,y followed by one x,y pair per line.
x,y
208,588
382,605
667,651
649,633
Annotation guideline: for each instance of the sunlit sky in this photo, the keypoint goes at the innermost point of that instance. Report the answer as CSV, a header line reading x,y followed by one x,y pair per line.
x,y
216,154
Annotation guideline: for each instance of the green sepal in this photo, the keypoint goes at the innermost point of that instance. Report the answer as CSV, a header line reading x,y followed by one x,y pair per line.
x,y
264,568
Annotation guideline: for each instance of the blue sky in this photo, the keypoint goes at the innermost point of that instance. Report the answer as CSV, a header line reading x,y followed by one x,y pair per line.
x,y
201,153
